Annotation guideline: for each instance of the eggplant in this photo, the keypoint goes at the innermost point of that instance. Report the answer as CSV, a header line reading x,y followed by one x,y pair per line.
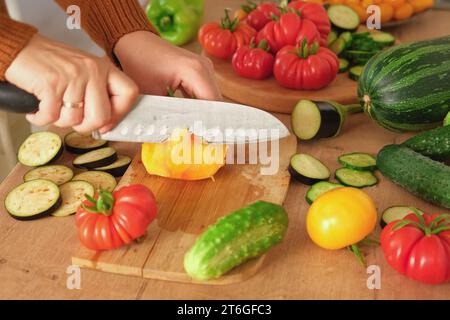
x,y
97,158
117,168
307,169
79,144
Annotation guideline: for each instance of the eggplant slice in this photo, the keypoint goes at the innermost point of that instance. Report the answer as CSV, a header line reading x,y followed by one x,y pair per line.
x,y
40,148
79,143
97,158
73,193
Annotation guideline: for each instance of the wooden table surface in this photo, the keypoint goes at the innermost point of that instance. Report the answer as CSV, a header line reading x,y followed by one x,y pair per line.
x,y
296,269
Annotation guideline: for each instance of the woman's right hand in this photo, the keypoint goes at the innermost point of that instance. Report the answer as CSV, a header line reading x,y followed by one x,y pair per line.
x,y
56,74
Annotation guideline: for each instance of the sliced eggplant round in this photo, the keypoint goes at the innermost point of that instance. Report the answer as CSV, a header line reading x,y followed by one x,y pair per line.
x,y
97,158
307,169
33,200
98,179
73,193
40,148
395,213
356,178
81,143
117,168
58,174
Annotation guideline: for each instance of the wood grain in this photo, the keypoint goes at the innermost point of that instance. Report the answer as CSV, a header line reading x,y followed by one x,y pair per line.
x,y
186,209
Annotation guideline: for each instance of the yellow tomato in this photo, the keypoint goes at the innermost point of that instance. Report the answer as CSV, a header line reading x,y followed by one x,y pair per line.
x,y
404,12
340,218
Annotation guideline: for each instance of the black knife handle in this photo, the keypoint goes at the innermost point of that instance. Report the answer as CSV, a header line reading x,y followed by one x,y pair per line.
x,y
14,99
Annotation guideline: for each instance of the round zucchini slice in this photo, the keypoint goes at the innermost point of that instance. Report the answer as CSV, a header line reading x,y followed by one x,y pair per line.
x,y
33,200
58,174
117,168
81,143
98,179
307,169
73,193
358,161
40,148
97,158
355,178
395,213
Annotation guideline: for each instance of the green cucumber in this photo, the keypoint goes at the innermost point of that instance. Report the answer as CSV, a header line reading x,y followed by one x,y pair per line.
x,y
332,36
355,72
347,36
358,161
407,87
320,188
434,143
338,46
359,54
343,65
235,238
343,17
396,213
355,178
447,120
383,38
420,175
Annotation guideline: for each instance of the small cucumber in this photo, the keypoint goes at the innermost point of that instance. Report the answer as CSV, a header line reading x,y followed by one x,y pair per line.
x,y
434,143
420,175
235,238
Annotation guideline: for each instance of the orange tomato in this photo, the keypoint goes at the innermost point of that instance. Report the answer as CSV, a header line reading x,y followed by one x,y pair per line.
x,y
387,12
377,1
421,5
351,2
315,1
394,3
366,3
335,1
404,12
360,11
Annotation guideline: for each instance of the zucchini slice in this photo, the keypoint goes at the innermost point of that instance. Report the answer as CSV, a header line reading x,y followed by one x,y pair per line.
x,y
58,174
98,179
40,148
320,188
332,36
355,178
97,158
338,46
72,195
117,168
447,120
384,38
355,72
33,200
347,37
80,143
358,161
307,169
343,65
395,213
343,17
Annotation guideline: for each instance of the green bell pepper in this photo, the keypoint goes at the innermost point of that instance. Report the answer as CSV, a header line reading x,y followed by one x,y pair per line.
x,y
177,21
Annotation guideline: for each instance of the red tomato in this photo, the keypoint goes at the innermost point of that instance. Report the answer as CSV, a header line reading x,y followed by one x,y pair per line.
x,y
290,29
317,14
253,63
262,15
420,249
305,67
221,40
112,220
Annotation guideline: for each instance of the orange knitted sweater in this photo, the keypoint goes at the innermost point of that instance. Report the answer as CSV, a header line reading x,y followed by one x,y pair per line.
x,y
106,21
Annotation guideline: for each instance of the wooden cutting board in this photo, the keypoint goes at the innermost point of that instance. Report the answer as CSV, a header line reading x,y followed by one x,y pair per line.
x,y
185,209
270,96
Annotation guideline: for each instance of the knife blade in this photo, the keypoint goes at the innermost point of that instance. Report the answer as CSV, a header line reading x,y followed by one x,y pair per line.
x,y
155,118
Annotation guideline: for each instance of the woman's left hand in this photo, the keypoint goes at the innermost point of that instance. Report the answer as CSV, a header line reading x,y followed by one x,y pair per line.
x,y
156,66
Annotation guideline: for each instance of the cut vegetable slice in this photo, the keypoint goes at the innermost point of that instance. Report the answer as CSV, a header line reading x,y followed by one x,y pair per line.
x,y
307,169
355,72
117,168
58,174
332,36
383,38
343,65
343,17
79,143
320,188
97,158
40,148
100,180
447,120
395,213
355,178
347,37
72,195
358,161
338,46
33,200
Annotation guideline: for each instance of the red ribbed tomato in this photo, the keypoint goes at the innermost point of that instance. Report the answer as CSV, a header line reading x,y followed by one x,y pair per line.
x,y
253,62
262,15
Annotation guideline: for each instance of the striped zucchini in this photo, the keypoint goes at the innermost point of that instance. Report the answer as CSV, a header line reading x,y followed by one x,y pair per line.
x,y
407,87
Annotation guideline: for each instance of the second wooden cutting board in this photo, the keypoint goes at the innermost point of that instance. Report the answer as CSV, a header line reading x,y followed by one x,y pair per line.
x,y
187,208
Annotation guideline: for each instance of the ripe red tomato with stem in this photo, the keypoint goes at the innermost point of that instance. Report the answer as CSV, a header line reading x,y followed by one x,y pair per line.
x,y
253,62
262,15
222,39
305,67
419,247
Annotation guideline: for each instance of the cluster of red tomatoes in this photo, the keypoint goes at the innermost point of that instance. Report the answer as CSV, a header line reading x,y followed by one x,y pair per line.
x,y
288,42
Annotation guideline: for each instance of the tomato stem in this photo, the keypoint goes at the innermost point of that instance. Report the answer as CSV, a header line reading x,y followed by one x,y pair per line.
x,y
102,205
263,45
227,23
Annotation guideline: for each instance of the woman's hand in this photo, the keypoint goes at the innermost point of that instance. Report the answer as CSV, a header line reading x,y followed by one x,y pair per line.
x,y
156,66
58,74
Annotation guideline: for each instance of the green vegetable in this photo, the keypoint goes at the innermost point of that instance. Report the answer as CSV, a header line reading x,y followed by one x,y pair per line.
x,y
358,161
407,87
447,120
338,46
434,143
332,36
355,72
177,21
356,178
343,65
343,17
383,38
420,175
347,36
396,213
235,238
320,188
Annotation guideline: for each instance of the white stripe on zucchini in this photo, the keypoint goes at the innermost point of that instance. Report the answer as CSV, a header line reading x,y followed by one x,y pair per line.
x,y
39,149
98,179
72,195
58,174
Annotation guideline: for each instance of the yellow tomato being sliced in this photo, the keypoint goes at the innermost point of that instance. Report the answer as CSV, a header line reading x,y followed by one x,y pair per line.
x,y
340,218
